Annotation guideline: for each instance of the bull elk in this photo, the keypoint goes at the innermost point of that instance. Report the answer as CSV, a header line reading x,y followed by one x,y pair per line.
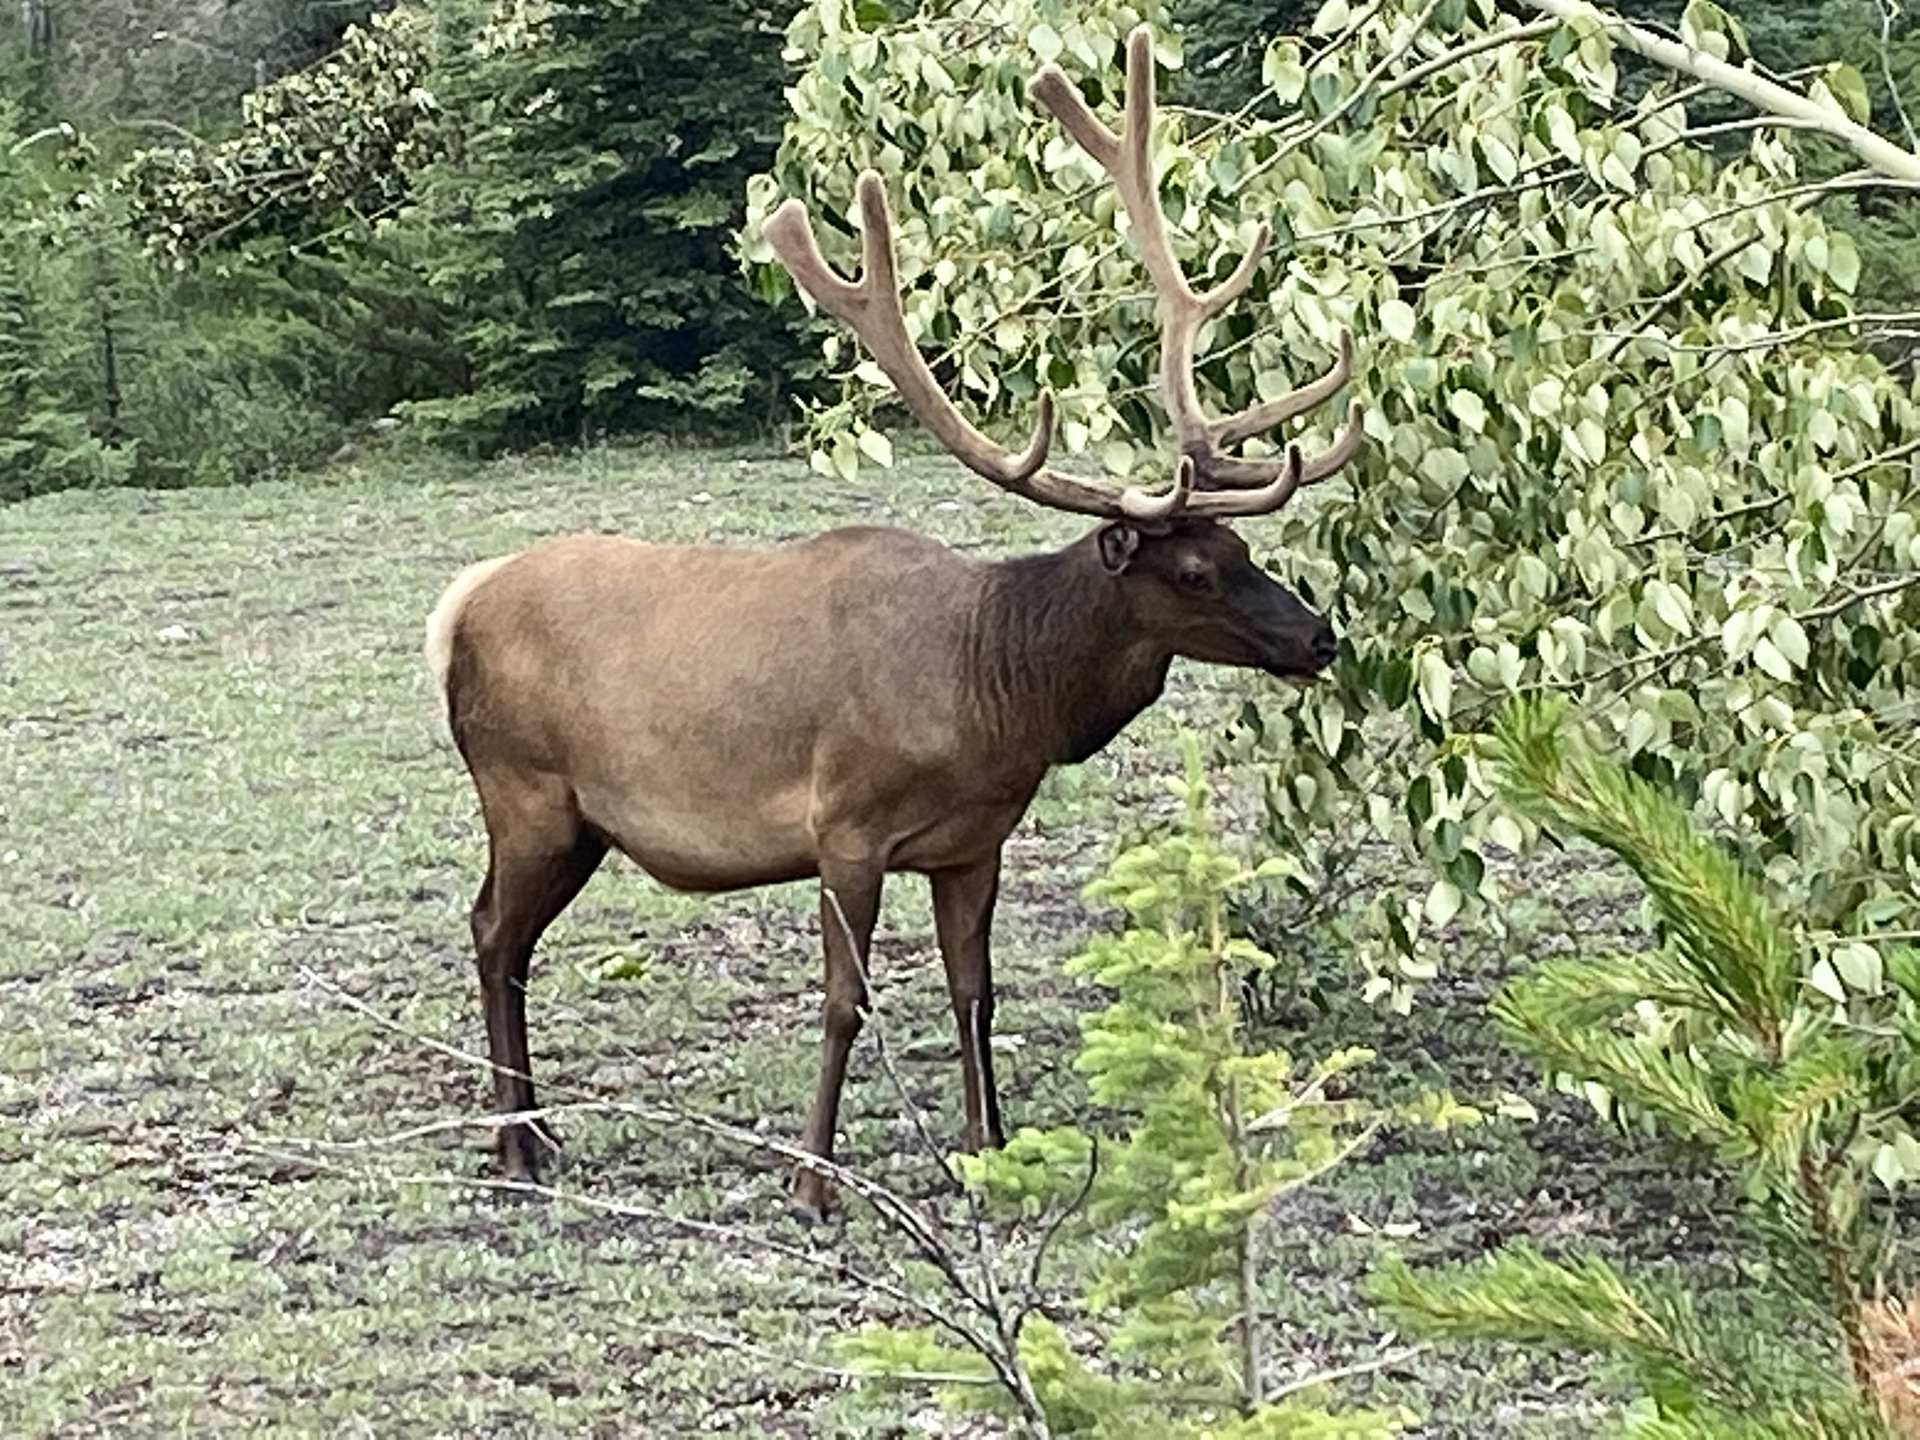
x,y
865,701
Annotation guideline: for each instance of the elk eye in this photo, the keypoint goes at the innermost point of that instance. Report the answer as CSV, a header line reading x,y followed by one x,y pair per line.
x,y
1192,579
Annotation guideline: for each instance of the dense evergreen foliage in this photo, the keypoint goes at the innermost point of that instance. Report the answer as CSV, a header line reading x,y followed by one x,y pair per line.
x,y
587,198
510,222
51,410
245,234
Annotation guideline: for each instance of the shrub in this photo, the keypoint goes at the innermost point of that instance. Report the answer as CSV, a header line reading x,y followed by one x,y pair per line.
x,y
1165,1335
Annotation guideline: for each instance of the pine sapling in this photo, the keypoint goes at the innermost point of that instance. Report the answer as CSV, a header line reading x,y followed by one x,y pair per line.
x,y
1168,1214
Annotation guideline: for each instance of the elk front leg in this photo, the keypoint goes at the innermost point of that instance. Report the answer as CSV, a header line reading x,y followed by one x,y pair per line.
x,y
849,905
963,920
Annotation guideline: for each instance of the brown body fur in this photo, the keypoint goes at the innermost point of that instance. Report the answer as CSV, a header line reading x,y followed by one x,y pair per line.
x,y
862,702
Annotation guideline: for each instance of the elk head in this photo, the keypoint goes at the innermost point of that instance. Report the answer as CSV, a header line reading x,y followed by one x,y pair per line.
x,y
1186,575
1193,583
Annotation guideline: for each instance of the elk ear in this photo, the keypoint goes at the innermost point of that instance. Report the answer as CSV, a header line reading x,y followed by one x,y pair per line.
x,y
1118,542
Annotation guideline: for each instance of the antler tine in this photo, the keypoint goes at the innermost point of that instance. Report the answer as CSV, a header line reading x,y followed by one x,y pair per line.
x,y
1345,446
870,307
1231,473
1231,430
1290,474
1270,484
1126,157
1144,505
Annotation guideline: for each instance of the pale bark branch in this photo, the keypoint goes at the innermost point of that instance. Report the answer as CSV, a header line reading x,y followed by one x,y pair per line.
x,y
1877,151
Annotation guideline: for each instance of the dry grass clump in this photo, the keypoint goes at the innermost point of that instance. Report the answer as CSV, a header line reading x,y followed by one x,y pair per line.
x,y
1893,1339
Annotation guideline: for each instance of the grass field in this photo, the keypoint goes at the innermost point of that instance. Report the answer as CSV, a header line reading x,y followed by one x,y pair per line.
x,y
236,854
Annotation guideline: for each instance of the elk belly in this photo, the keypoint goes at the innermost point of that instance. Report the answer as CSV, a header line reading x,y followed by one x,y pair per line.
x,y
706,839
962,836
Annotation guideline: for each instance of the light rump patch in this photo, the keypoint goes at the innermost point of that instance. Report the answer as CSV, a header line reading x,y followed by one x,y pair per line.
x,y
446,615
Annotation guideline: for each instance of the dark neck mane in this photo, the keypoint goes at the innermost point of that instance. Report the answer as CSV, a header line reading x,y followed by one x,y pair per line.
x,y
1055,661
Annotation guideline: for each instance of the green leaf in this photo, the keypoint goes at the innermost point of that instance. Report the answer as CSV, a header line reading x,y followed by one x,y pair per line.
x,y
1435,684
1859,966
1283,72
1849,88
876,447
1789,637
1331,18
1703,26
1499,158
1887,1168
1398,320
1843,262
1823,979
1767,656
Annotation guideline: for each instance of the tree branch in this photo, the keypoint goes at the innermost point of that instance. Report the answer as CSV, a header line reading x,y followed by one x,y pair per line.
x,y
1878,152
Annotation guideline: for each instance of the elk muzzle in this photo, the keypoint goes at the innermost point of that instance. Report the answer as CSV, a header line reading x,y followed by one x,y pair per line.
x,y
1300,643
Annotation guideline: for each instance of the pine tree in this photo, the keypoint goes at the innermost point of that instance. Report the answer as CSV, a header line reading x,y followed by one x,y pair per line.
x,y
1796,1069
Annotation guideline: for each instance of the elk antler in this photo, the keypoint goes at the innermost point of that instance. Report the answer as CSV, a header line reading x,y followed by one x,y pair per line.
x,y
1207,481
1126,159
870,307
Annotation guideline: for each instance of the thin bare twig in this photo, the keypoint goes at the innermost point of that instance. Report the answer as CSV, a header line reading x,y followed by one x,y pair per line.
x,y
631,1210
1870,320
1493,40
1067,1212
898,1212
1889,10
1856,596
1001,1352
941,1317
1346,1372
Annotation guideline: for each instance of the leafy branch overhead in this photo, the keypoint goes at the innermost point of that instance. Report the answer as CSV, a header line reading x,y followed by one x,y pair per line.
x,y
1625,441
1835,105
339,143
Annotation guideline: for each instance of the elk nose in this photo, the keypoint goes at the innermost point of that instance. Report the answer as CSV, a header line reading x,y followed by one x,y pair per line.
x,y
1324,646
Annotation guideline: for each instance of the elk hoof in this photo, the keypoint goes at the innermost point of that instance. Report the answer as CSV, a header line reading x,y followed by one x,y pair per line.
x,y
523,1153
811,1196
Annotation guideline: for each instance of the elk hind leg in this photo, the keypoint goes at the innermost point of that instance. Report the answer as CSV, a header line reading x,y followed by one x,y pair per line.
x,y
540,853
